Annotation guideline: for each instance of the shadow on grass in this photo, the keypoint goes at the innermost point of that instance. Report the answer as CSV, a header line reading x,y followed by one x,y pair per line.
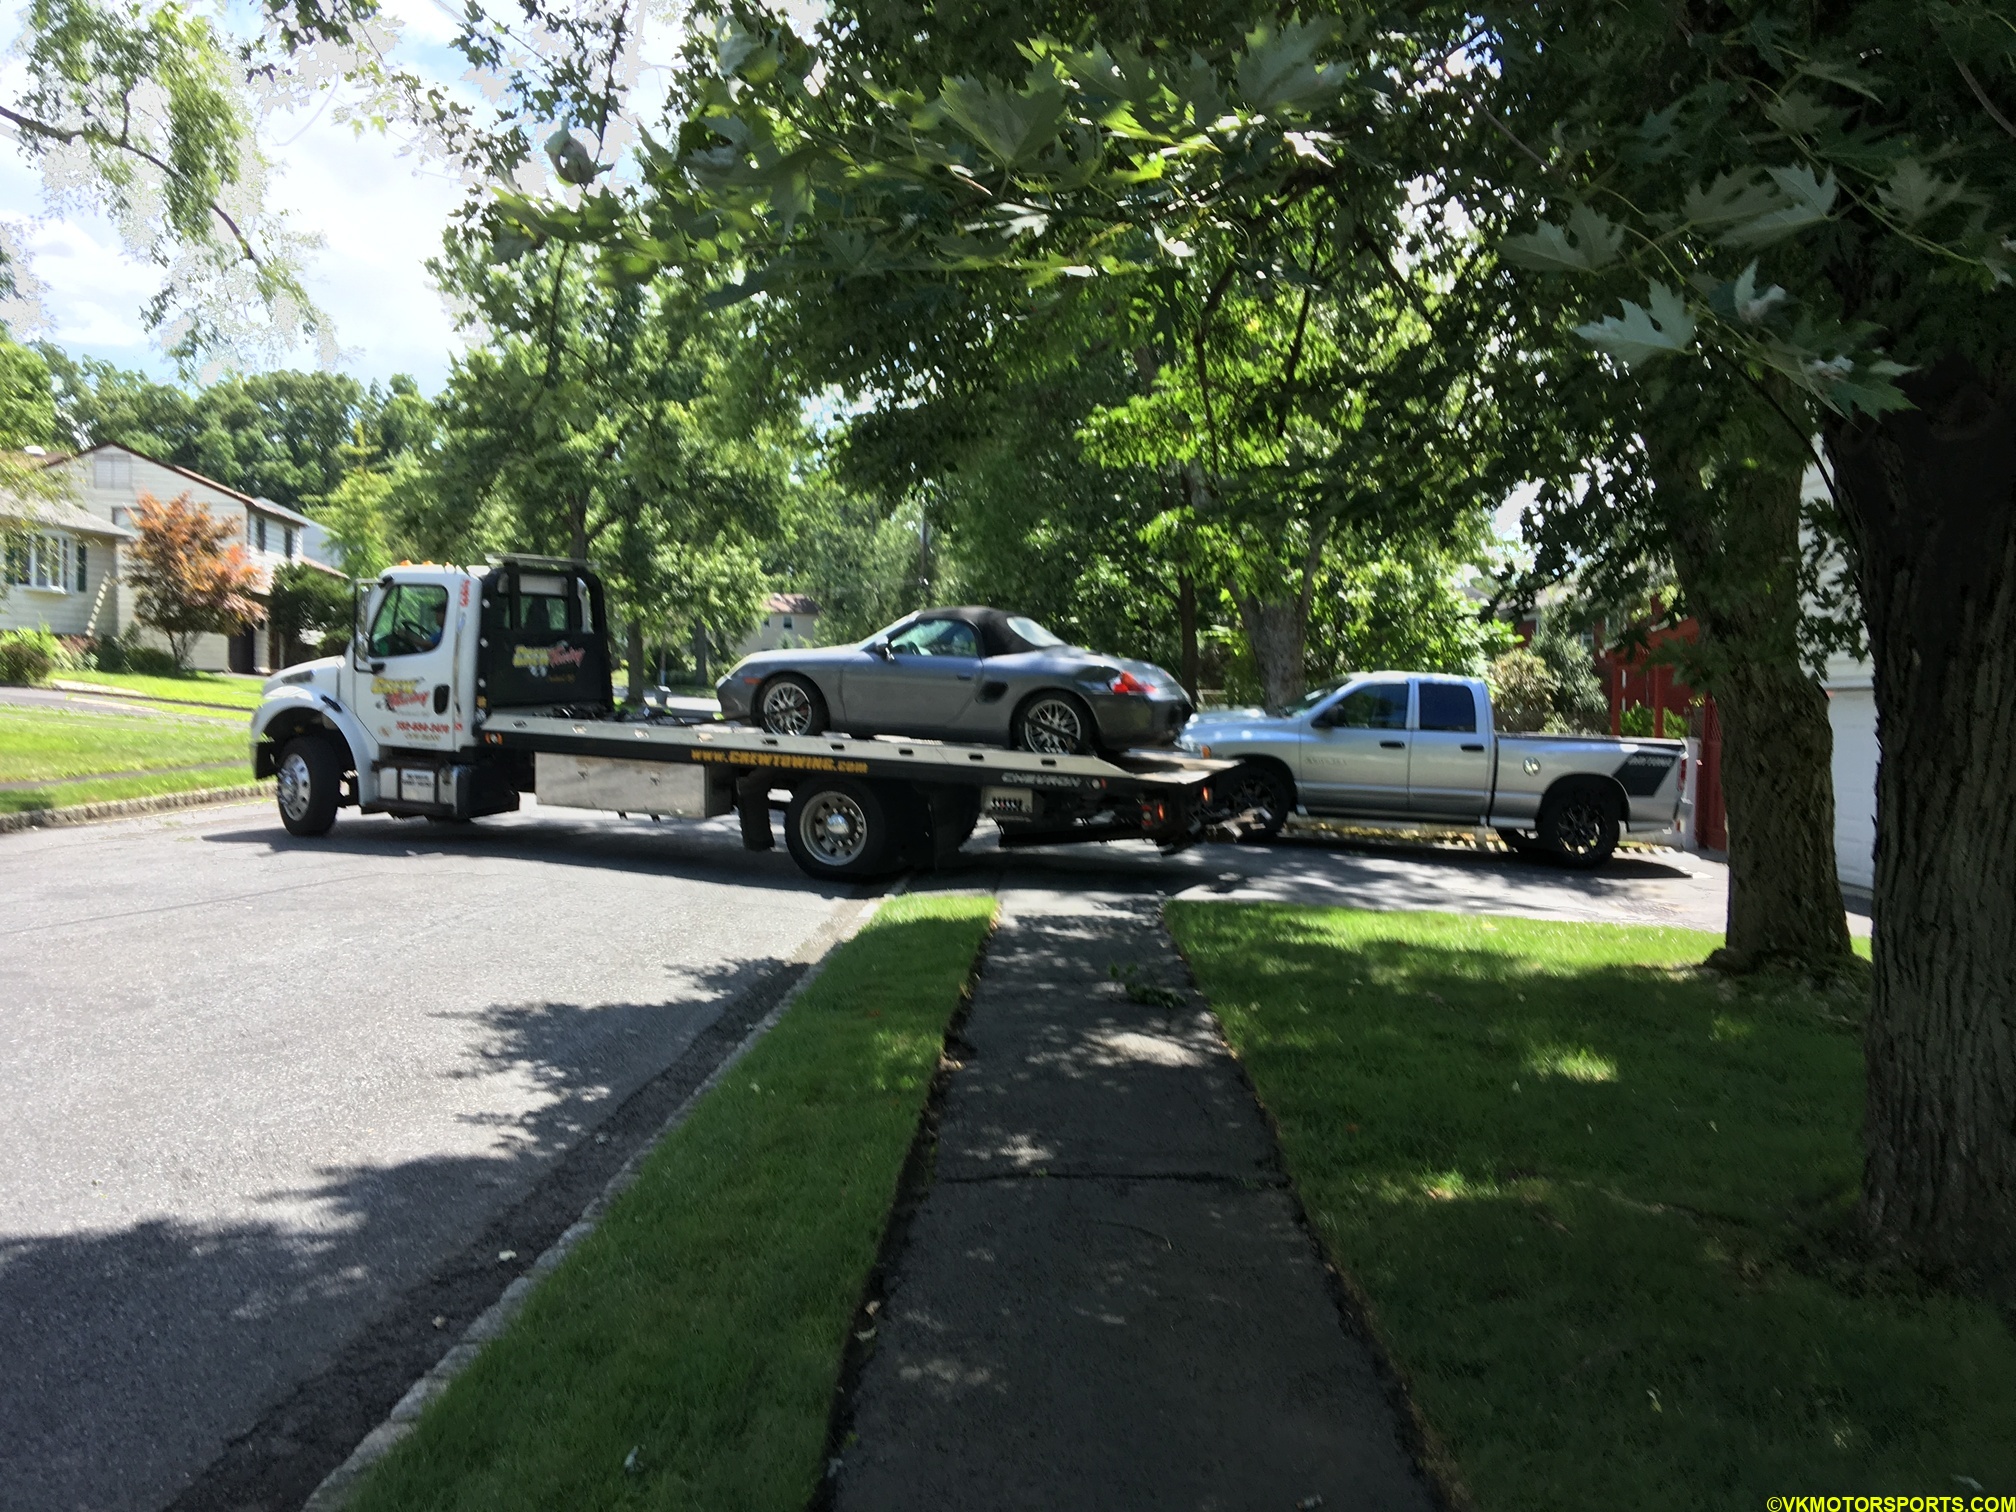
x,y
1581,1186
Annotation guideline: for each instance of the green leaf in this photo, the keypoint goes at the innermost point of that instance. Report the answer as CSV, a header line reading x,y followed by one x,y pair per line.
x,y
1913,193
1750,211
1642,334
1278,70
1009,125
1587,243
1847,75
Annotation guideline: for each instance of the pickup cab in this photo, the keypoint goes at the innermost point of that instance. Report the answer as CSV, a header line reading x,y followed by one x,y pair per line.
x,y
1422,749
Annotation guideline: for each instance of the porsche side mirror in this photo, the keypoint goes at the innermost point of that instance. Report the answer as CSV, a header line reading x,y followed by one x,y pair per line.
x,y
881,649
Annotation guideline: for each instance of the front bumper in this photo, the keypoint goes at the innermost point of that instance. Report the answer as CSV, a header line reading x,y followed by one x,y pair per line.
x,y
734,695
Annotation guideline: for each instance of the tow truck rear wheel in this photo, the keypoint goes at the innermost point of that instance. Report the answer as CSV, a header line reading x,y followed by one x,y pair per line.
x,y
308,783
836,827
1258,788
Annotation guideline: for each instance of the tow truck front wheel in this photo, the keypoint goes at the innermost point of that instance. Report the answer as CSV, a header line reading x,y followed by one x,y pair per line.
x,y
834,827
308,783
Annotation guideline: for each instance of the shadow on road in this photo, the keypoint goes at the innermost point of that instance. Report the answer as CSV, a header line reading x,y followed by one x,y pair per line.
x,y
684,849
233,1365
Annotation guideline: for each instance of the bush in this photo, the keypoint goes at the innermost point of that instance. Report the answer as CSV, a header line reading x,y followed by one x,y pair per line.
x,y
1522,692
1638,721
116,655
28,657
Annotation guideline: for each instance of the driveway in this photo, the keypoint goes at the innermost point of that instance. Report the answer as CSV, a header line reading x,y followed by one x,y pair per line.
x,y
255,1093
278,1117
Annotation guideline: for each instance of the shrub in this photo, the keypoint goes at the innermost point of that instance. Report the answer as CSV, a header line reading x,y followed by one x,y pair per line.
x,y
1637,720
27,657
1521,691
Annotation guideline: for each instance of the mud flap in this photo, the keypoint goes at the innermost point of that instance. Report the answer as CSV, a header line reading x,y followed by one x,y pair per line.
x,y
752,807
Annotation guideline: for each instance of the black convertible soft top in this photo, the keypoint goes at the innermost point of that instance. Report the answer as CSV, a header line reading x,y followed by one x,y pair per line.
x,y
991,625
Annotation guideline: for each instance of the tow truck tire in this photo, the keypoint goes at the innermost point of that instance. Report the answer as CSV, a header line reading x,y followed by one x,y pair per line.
x,y
1255,785
1579,824
836,827
790,705
308,783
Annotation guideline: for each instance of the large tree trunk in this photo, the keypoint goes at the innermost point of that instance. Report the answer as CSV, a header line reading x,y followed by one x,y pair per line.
x,y
634,654
1930,505
1736,553
1277,633
1732,522
1186,629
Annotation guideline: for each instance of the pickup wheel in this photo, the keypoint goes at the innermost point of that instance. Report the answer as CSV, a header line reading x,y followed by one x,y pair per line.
x,y
836,827
309,781
1522,844
790,705
1579,824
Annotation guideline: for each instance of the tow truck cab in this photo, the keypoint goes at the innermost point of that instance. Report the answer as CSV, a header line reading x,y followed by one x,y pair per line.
x,y
434,650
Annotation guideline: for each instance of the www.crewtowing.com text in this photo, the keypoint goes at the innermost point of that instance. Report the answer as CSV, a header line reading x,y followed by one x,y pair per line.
x,y
1890,1504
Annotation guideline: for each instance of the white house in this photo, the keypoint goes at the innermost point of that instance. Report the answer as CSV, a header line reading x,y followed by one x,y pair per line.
x,y
62,573
103,486
789,619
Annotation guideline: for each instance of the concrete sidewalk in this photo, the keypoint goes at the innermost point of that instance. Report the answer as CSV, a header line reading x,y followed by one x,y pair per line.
x,y
1105,1299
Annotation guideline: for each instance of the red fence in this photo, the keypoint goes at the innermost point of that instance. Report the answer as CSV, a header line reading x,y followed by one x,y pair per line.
x,y
1639,680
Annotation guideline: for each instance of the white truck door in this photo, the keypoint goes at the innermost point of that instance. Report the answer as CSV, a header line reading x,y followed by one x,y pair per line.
x,y
1449,767
1354,760
405,687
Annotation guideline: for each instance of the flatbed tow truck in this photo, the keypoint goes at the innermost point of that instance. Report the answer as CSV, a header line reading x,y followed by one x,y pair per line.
x,y
464,688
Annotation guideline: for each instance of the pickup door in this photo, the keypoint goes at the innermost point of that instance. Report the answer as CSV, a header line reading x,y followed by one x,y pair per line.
x,y
1354,760
1449,767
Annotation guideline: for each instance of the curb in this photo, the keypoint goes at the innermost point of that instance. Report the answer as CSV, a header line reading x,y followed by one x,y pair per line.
x,y
127,808
100,690
334,1492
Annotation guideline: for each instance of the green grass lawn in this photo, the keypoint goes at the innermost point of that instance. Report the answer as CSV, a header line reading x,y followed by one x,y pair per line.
x,y
1592,1198
701,1324
39,744
195,687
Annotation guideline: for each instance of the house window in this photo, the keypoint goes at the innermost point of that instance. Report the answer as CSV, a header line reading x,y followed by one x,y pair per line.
x,y
787,622
259,531
111,469
81,550
287,541
39,561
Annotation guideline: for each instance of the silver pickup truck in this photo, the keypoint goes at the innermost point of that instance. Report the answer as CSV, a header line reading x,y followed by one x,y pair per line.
x,y
1415,747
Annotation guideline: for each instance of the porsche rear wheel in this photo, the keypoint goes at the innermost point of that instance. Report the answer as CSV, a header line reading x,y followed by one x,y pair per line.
x,y
1054,724
790,705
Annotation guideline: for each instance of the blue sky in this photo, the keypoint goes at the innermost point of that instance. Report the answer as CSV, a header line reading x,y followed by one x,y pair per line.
x,y
379,212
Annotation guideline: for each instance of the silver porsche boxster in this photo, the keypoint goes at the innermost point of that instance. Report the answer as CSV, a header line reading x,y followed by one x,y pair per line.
x,y
969,674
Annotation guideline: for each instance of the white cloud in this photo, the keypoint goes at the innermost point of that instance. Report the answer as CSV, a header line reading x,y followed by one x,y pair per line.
x,y
378,213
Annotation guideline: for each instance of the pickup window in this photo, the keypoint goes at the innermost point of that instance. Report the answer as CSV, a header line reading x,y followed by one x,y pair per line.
x,y
1448,706
1376,706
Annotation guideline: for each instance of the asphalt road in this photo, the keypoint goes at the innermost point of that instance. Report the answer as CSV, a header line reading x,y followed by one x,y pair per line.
x,y
252,1090
258,1096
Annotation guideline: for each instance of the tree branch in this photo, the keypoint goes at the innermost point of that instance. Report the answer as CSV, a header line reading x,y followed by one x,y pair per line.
x,y
1982,95
125,144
